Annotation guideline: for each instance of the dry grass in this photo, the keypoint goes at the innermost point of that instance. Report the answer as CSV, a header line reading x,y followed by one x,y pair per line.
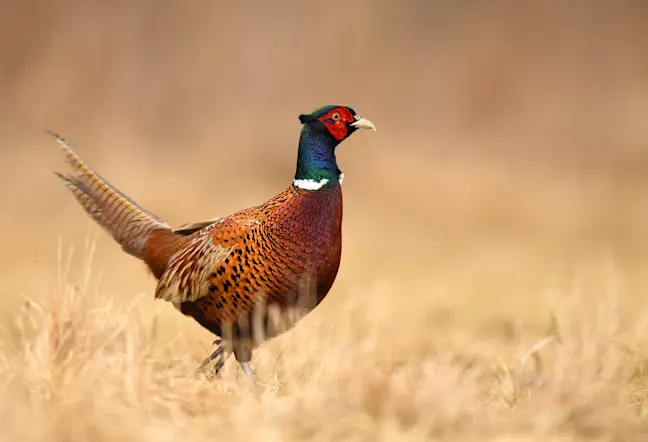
x,y
80,366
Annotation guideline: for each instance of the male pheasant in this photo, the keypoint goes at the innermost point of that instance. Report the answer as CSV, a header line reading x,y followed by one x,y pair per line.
x,y
227,273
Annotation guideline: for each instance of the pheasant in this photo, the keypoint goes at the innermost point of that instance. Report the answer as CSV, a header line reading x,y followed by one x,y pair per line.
x,y
228,273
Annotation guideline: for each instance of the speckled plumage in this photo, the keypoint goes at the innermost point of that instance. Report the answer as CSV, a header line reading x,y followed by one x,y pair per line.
x,y
229,273
257,255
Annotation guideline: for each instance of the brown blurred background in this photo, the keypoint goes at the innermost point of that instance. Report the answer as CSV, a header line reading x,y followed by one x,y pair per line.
x,y
511,151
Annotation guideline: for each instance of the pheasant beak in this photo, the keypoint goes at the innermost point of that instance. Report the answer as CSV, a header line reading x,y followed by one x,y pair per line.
x,y
363,123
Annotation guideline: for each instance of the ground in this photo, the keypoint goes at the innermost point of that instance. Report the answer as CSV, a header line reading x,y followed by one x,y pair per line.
x,y
473,341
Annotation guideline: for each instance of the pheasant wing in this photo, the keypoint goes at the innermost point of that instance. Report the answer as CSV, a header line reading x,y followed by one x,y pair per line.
x,y
189,228
190,269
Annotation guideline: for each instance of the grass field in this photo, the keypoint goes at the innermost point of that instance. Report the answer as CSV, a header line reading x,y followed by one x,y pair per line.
x,y
493,281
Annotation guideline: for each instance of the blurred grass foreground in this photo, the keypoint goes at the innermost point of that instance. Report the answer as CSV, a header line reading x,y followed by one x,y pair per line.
x,y
493,281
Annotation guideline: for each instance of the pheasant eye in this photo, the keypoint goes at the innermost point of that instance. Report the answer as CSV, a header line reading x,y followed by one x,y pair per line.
x,y
335,116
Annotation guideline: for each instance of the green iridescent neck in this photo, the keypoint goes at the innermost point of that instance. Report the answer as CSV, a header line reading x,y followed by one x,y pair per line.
x,y
316,163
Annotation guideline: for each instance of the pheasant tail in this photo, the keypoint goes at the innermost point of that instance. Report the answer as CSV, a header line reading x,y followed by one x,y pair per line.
x,y
140,233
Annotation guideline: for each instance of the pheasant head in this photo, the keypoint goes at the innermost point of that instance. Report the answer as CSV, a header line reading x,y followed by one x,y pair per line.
x,y
322,131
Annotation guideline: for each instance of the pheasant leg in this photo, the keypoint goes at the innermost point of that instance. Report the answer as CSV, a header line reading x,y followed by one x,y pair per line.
x,y
249,373
243,354
217,355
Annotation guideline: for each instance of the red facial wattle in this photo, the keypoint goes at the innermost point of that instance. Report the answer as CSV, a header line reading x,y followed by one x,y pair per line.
x,y
336,122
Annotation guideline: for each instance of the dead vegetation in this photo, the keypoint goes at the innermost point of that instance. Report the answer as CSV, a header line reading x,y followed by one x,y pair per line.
x,y
77,365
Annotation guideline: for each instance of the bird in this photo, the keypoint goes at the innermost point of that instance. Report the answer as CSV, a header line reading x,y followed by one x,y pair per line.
x,y
228,273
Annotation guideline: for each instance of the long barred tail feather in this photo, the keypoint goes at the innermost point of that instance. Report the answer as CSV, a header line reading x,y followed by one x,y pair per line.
x,y
127,222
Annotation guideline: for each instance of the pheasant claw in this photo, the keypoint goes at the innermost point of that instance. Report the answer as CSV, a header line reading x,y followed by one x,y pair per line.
x,y
218,355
